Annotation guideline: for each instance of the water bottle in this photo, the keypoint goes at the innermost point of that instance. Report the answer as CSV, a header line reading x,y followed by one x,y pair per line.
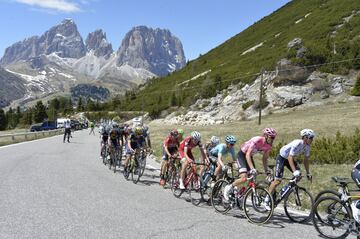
x,y
284,190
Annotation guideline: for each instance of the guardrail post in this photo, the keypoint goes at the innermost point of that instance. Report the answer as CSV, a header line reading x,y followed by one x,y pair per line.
x,y
13,138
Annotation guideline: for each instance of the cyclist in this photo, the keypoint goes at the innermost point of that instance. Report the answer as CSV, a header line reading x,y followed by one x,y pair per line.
x,y
287,156
259,144
105,130
186,155
114,139
133,142
146,134
217,153
214,141
170,148
92,126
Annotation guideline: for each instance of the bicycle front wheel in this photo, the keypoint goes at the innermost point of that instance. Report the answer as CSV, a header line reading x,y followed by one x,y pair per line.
x,y
135,172
298,204
335,217
256,209
175,184
217,197
327,192
142,165
195,191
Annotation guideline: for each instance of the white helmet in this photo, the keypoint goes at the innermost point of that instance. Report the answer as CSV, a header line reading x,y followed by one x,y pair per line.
x,y
196,135
307,133
215,140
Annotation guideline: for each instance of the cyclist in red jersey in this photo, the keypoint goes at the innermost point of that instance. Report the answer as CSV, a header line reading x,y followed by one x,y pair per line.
x,y
170,148
186,155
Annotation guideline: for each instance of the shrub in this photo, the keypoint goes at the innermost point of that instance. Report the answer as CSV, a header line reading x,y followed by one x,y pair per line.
x,y
248,104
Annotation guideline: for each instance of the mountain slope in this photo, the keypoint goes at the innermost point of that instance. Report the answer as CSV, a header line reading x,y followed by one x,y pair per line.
x,y
328,29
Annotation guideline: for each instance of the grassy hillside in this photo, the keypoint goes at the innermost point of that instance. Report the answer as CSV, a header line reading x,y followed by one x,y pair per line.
x,y
229,65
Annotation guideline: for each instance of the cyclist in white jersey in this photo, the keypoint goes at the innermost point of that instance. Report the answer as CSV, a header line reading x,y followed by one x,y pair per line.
x,y
287,155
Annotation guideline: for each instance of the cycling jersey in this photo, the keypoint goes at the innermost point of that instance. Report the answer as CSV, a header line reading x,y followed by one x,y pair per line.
x,y
256,145
223,150
114,134
188,143
171,142
295,148
355,173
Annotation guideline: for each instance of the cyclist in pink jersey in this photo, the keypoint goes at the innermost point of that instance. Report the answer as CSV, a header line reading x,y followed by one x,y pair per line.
x,y
186,155
258,144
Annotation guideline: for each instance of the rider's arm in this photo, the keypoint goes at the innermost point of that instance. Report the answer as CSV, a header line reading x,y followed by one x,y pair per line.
x,y
265,160
220,160
203,155
248,158
291,162
129,144
148,141
306,164
186,155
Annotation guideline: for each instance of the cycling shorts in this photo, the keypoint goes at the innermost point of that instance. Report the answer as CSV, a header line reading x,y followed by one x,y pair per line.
x,y
280,164
242,162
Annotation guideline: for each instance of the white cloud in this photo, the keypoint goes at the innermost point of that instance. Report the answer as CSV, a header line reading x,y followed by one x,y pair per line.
x,y
57,5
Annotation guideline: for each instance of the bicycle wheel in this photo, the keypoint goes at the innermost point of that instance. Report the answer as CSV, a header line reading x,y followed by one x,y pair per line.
x,y
103,155
217,197
335,217
175,185
255,208
298,204
195,191
136,171
323,193
207,188
142,165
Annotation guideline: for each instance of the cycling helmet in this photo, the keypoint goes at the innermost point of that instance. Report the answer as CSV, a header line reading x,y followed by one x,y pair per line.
x,y
138,130
230,139
215,140
307,133
180,131
196,135
174,133
145,128
115,124
270,132
116,118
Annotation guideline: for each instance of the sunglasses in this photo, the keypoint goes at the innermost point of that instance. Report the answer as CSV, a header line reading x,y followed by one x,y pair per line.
x,y
311,137
231,144
272,137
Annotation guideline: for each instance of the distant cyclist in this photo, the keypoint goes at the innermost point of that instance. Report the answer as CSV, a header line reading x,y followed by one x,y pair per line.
x,y
104,132
287,155
92,126
67,132
259,144
114,139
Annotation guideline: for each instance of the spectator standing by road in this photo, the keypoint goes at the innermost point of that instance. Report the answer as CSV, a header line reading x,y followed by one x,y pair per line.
x,y
67,131
92,126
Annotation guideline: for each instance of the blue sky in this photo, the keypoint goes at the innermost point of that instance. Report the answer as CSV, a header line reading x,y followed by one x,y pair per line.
x,y
201,25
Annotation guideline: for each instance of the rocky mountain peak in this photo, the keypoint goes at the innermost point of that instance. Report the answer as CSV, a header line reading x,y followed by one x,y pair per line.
x,y
62,39
96,41
156,50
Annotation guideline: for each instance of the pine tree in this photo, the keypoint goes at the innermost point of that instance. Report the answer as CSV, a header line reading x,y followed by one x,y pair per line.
x,y
3,122
39,112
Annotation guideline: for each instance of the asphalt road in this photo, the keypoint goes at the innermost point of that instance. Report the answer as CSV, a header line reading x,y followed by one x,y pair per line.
x,y
51,189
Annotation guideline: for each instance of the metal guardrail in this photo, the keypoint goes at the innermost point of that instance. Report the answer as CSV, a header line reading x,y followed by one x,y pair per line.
x,y
30,135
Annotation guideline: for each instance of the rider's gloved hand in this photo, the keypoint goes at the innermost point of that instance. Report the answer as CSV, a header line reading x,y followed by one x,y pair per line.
x,y
297,173
253,171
